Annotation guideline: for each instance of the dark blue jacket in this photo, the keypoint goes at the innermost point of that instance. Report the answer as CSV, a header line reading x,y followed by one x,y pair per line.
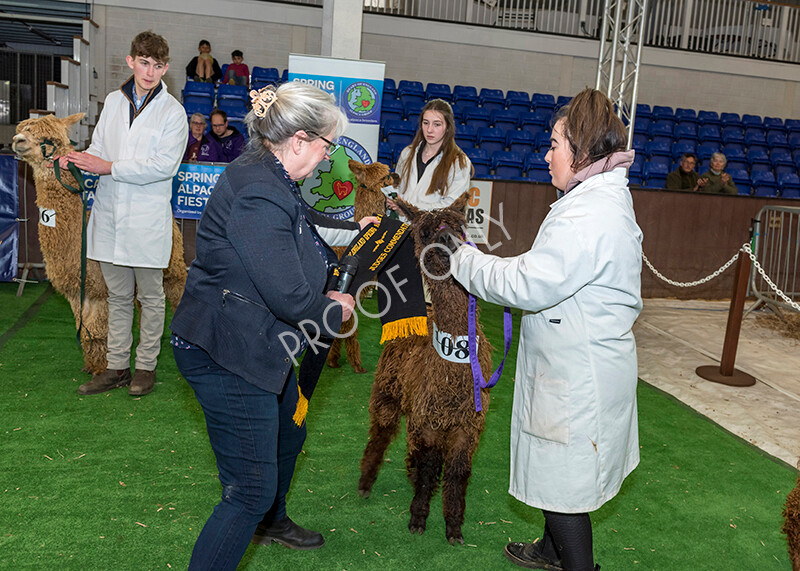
x,y
257,274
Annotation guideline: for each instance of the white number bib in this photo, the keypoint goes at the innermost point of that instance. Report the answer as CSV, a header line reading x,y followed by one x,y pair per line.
x,y
449,348
47,217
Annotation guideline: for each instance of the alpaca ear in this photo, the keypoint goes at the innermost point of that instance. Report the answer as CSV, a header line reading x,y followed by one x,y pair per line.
x,y
394,179
460,204
72,119
408,210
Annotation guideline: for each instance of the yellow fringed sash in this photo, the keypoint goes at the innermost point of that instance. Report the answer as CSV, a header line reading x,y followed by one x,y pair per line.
x,y
405,327
302,409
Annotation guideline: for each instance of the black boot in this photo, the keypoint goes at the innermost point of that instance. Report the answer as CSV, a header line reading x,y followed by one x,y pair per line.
x,y
288,534
105,381
530,556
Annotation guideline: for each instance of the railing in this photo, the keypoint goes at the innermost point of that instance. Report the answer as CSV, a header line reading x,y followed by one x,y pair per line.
x,y
777,246
23,83
729,27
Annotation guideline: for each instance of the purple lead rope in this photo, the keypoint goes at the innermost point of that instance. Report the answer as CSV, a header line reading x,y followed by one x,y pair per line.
x,y
477,375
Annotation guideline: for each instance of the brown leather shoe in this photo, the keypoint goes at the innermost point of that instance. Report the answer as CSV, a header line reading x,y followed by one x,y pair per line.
x,y
142,383
106,381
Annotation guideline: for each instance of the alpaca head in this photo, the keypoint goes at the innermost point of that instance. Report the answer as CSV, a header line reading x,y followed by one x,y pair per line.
x,y
371,179
436,234
37,138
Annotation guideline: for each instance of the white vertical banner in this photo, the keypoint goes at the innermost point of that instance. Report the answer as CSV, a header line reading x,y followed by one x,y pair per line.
x,y
358,88
479,208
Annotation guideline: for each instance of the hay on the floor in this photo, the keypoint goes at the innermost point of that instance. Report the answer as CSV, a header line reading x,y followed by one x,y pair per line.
x,y
788,325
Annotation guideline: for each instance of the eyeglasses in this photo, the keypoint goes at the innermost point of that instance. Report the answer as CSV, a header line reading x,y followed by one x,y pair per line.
x,y
198,123
331,145
217,124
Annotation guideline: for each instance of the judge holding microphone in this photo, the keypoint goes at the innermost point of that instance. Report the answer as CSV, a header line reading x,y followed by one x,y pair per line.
x,y
263,262
574,434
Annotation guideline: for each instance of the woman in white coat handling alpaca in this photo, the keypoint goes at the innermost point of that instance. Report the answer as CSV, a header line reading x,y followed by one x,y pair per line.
x,y
433,170
574,434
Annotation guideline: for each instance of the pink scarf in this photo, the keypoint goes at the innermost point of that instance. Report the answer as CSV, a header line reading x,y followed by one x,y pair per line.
x,y
622,159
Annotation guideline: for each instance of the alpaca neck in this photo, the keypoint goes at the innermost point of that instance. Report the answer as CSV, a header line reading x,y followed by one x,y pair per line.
x,y
449,305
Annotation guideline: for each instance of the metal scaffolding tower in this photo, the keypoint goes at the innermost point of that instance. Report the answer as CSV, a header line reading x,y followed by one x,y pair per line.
x,y
620,55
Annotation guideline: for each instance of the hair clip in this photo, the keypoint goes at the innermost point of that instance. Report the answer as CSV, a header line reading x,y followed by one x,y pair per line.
x,y
262,100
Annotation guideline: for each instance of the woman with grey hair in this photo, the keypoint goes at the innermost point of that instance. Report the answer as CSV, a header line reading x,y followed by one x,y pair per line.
x,y
200,147
715,179
255,297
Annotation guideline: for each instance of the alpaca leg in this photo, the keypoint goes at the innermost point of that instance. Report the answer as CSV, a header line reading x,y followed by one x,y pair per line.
x,y
424,466
94,335
175,272
791,525
335,352
354,352
457,470
384,414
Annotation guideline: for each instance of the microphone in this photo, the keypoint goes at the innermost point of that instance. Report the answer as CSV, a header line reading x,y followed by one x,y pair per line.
x,y
347,271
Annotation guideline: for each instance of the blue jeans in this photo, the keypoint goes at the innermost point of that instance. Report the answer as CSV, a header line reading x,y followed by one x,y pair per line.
x,y
256,444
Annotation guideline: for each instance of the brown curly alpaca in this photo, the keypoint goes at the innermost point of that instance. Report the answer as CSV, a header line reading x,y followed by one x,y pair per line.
x,y
369,201
61,244
791,525
435,395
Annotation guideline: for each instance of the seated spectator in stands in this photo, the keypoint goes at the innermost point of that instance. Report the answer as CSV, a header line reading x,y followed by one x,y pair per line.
x,y
202,148
204,67
229,138
715,179
237,73
684,177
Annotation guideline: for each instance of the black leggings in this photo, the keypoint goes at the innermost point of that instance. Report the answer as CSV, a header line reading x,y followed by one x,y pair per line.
x,y
568,537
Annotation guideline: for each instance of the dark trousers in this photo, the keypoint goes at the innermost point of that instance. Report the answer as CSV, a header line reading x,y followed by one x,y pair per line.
x,y
256,444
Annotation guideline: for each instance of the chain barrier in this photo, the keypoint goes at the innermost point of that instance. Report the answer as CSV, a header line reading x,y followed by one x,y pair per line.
x,y
747,250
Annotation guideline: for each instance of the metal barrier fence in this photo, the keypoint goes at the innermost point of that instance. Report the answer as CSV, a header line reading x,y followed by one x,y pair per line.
x,y
776,244
23,83
762,30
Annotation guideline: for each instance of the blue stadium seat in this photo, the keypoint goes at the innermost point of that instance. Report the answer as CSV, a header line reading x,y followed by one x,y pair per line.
x,y
240,126
642,125
685,133
639,141
505,119
774,123
758,156
399,132
752,121
234,108
543,102
638,164
389,87
643,111
536,167
284,76
781,157
458,112
730,119
265,75
679,149
478,117
705,150
734,153
438,91
480,162
794,140
662,112
792,125
226,91
533,122
397,150
732,134
391,110
789,183
654,174
507,164
205,107
741,178
198,92
465,94
522,142
708,118
412,108
763,183
542,141
777,140
410,91
660,148
491,99
465,136
491,140
519,101
661,130
385,153
754,137
562,100
685,115
709,134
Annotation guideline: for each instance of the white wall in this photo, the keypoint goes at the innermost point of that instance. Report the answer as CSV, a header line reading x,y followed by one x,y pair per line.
x,y
439,52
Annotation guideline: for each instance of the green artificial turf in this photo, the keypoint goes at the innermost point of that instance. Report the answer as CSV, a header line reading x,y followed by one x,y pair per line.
x,y
114,482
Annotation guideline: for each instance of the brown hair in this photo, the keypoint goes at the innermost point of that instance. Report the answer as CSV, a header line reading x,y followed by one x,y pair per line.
x,y
592,128
149,44
450,151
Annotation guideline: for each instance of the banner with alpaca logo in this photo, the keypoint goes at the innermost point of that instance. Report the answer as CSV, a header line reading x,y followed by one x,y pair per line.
x,y
9,213
358,88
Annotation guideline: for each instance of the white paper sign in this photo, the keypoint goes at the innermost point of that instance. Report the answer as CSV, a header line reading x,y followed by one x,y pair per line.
x,y
47,217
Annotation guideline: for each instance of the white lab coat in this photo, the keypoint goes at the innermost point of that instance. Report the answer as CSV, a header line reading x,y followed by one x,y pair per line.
x,y
574,435
131,221
414,192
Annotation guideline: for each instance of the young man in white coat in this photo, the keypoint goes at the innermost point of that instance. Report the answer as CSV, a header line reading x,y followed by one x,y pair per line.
x,y
136,149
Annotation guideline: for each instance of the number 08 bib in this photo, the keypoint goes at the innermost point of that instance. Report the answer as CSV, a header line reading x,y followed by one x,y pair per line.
x,y
453,349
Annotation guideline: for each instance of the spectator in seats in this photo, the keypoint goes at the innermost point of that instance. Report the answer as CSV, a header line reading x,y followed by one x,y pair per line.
x,y
574,428
136,150
204,67
685,176
258,281
433,170
237,72
715,179
229,138
201,148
